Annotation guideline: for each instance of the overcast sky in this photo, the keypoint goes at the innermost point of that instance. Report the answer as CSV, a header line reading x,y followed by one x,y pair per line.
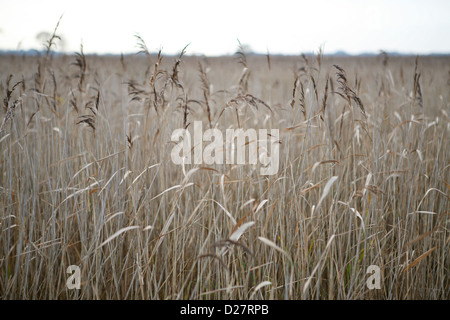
x,y
212,27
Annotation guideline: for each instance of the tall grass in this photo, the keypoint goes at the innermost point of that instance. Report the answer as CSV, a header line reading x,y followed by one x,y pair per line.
x,y
86,178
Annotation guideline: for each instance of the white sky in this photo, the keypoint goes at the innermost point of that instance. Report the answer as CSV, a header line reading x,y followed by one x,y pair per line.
x,y
212,27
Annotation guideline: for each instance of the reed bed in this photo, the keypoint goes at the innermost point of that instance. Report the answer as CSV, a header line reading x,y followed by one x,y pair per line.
x,y
87,178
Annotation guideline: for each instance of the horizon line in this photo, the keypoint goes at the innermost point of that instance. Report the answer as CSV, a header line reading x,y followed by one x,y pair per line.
x,y
342,53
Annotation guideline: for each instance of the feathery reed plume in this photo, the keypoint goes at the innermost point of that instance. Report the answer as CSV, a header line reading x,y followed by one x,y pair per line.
x,y
39,83
315,89
73,101
319,56
184,105
249,99
174,77
156,73
242,59
77,100
91,105
151,97
8,92
325,96
10,104
346,92
302,99
206,90
294,89
122,62
241,100
88,119
129,141
331,84
51,42
38,79
141,45
93,102
243,82
135,91
80,62
417,90
269,65
185,113
42,66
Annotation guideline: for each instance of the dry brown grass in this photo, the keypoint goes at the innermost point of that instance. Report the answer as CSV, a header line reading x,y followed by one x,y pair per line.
x,y
86,178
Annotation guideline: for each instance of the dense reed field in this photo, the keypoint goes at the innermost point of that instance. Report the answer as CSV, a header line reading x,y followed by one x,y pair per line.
x,y
86,177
